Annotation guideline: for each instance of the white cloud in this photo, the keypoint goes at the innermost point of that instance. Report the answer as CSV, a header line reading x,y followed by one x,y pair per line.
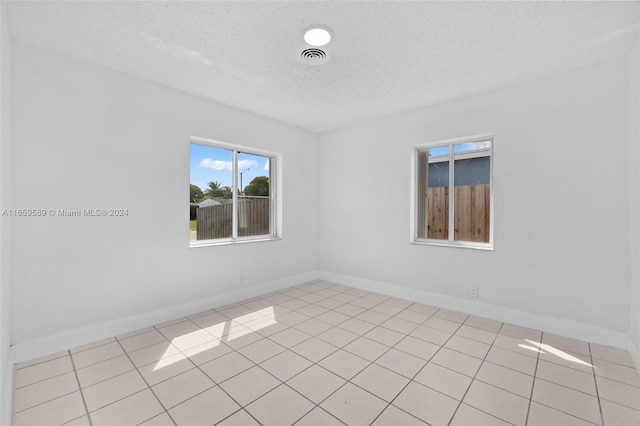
x,y
470,146
485,144
243,164
210,163
266,165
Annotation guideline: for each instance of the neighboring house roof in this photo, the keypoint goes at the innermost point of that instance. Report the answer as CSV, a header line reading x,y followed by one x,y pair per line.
x,y
469,171
208,202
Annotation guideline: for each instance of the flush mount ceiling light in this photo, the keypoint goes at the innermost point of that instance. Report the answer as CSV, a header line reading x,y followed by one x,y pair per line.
x,y
317,35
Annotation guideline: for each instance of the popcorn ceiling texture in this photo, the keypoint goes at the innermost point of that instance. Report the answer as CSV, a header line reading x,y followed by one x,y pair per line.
x,y
386,57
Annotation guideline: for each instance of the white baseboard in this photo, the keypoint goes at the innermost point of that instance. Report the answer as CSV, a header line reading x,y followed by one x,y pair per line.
x,y
561,326
635,354
23,351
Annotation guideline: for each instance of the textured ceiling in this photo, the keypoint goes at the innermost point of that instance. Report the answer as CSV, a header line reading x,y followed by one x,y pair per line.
x,y
385,57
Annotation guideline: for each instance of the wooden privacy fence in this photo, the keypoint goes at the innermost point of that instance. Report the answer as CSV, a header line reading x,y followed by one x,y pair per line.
x,y
471,213
215,221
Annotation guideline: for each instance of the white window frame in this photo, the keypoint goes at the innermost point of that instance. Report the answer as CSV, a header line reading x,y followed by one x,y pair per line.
x,y
450,242
275,190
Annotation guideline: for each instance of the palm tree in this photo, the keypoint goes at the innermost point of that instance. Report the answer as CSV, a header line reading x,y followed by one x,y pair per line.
x,y
212,188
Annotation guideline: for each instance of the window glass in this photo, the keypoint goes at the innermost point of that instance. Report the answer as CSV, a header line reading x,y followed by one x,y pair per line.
x,y
435,193
453,193
254,203
472,191
231,194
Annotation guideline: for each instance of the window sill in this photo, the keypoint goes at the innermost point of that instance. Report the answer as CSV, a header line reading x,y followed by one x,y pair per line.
x,y
209,243
457,244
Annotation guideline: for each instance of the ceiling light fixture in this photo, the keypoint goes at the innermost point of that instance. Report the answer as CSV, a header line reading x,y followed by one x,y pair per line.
x,y
317,35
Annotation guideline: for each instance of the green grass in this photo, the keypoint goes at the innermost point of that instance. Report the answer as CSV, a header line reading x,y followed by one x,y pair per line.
x,y
192,225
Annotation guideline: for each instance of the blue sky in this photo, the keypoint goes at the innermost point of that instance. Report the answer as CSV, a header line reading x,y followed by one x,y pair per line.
x,y
210,164
460,147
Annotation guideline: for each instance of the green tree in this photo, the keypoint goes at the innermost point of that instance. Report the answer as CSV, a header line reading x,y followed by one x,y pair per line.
x,y
196,193
215,190
212,187
225,192
259,186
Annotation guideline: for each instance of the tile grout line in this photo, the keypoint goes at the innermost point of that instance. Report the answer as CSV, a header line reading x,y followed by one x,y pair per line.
x,y
595,382
612,379
109,378
13,412
430,360
536,378
148,387
474,378
568,414
43,380
93,345
43,402
508,368
321,409
569,388
300,372
389,403
533,383
377,358
36,362
216,384
347,381
548,381
84,402
342,348
232,414
242,407
102,360
320,366
407,334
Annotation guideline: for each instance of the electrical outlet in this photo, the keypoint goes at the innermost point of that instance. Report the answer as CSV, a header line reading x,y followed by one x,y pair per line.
x,y
474,292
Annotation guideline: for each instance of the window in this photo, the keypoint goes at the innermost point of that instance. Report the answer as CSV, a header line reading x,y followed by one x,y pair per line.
x,y
232,193
453,196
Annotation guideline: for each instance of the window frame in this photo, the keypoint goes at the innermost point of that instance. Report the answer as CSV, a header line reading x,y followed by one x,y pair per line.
x,y
415,204
275,189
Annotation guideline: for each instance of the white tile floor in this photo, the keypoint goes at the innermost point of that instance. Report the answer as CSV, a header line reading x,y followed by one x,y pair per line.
x,y
327,354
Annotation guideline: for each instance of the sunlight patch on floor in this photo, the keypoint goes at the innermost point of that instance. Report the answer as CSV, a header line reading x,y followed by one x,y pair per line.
x,y
208,338
559,353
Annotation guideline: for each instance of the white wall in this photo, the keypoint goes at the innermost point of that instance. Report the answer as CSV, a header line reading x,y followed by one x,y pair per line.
x,y
6,368
561,208
88,137
634,196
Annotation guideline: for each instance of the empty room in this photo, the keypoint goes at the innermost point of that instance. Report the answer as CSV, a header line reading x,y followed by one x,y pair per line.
x,y
399,213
